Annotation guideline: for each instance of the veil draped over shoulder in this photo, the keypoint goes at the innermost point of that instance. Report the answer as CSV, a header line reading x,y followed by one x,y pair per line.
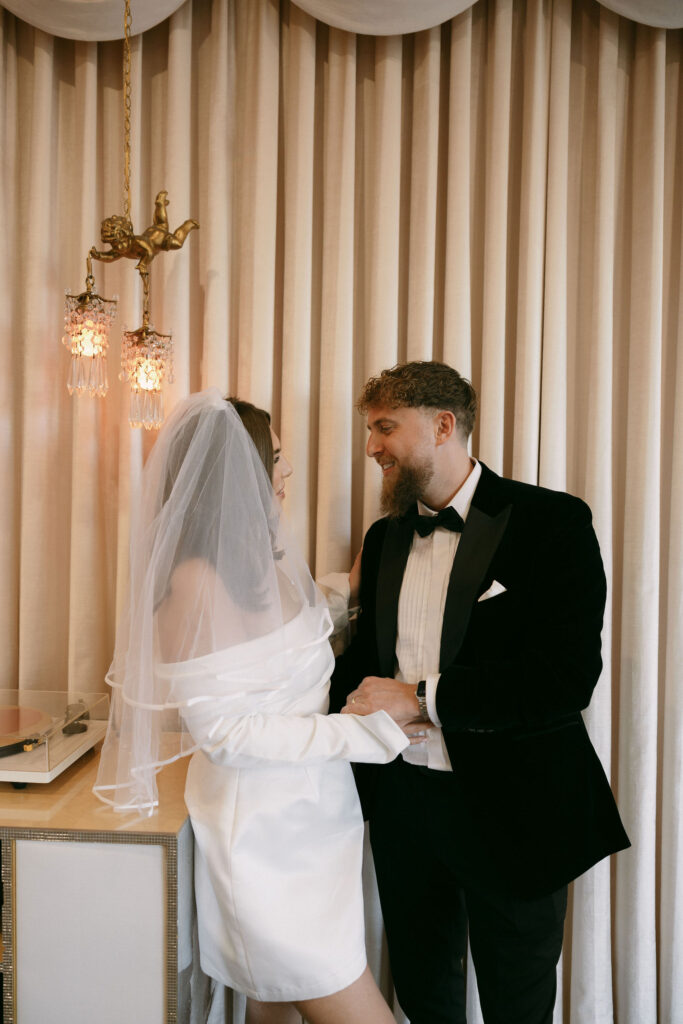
x,y
213,574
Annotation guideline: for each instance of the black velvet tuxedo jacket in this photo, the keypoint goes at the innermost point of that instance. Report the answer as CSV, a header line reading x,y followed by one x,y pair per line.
x,y
516,671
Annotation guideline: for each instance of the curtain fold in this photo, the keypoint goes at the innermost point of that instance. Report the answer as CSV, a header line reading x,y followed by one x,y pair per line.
x,y
531,242
669,853
461,211
424,159
495,358
591,988
336,322
505,192
43,436
670,793
552,458
10,355
642,539
256,191
299,362
378,260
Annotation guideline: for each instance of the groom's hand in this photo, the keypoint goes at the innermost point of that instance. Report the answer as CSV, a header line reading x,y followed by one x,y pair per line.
x,y
381,694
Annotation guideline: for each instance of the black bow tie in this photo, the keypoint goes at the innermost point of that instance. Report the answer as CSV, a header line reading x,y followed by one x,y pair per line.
x,y
447,518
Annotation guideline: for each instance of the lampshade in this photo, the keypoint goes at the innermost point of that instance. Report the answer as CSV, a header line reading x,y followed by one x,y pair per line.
x,y
87,319
147,364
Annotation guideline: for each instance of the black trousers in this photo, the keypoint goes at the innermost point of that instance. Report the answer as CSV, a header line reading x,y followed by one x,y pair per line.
x,y
432,893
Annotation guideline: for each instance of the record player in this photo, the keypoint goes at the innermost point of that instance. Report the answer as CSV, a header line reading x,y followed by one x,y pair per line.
x,y
43,732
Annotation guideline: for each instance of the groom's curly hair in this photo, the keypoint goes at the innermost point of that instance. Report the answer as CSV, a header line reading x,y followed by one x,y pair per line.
x,y
423,384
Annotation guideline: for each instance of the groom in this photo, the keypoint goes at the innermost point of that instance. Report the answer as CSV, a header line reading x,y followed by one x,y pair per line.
x,y
482,603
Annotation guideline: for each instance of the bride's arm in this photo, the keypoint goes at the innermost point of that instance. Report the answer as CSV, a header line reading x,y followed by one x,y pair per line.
x,y
252,738
247,738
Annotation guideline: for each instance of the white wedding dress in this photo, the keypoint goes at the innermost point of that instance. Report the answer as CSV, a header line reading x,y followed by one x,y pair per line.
x,y
275,813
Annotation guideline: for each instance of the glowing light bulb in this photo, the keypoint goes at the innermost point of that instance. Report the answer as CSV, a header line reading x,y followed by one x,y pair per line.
x,y
148,375
88,341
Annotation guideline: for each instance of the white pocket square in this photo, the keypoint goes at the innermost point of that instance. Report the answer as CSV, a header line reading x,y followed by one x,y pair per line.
x,y
493,591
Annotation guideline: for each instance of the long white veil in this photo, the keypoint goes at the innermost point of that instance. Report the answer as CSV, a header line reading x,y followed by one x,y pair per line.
x,y
213,572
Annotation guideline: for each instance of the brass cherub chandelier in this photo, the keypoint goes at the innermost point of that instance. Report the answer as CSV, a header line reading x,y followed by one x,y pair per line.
x,y
146,354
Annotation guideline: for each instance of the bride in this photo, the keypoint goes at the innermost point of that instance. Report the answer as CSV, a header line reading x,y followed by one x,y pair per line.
x,y
224,654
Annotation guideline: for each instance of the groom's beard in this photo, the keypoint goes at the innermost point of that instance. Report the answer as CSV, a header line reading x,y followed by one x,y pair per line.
x,y
401,492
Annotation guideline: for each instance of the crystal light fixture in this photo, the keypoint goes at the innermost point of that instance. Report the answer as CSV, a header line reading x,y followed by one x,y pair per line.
x,y
146,355
147,364
87,319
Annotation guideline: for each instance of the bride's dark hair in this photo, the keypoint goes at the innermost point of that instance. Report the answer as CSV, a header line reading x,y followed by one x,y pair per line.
x,y
257,424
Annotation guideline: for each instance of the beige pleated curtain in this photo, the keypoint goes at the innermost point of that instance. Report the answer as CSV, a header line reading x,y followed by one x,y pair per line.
x,y
503,192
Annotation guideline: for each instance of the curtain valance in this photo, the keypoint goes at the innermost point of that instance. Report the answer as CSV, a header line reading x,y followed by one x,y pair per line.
x,y
102,19
95,20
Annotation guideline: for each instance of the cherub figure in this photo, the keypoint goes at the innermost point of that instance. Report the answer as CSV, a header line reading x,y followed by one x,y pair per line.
x,y
118,232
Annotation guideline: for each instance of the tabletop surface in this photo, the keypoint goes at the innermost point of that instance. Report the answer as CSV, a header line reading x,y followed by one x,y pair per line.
x,y
69,804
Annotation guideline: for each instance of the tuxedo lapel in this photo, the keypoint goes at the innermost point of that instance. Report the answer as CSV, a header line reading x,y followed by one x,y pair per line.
x,y
479,540
395,551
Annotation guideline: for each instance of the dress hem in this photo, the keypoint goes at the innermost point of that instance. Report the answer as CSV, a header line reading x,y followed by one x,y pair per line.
x,y
280,995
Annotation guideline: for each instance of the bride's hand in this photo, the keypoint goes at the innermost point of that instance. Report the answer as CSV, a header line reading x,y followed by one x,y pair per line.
x,y
417,731
377,693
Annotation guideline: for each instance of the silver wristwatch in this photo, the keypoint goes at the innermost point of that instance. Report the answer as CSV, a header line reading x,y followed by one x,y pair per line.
x,y
421,695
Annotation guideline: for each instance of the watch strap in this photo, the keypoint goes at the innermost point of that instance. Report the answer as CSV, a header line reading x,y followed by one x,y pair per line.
x,y
421,694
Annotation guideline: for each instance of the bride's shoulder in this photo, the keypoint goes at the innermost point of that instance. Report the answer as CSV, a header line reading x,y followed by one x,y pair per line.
x,y
189,574
193,612
191,583
195,588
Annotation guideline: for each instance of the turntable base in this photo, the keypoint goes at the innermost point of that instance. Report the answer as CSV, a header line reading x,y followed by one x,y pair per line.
x,y
39,739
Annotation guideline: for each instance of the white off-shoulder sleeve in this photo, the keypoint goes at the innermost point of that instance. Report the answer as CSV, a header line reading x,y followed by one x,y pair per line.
x,y
246,740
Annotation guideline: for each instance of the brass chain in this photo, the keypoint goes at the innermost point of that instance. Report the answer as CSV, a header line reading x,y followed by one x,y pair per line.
x,y
126,108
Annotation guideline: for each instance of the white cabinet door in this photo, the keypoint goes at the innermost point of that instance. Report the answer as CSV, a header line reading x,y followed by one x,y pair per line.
x,y
90,931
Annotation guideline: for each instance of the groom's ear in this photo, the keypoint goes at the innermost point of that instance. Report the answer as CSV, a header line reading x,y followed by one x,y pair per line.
x,y
445,426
